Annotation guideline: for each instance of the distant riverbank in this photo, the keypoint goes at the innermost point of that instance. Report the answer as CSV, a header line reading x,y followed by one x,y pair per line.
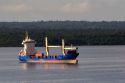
x,y
74,32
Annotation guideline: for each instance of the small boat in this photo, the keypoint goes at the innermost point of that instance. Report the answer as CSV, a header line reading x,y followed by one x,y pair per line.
x,y
30,54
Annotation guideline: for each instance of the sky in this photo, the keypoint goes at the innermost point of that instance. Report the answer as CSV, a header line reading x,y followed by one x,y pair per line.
x,y
77,10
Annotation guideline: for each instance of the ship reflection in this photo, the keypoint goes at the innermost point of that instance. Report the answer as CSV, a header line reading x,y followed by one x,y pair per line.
x,y
27,66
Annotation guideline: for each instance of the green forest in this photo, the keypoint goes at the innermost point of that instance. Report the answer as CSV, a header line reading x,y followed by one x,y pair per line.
x,y
74,32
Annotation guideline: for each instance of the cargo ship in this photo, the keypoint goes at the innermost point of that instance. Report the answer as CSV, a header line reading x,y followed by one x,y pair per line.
x,y
29,54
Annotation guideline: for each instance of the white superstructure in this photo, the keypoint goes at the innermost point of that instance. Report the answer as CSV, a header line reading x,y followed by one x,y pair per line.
x,y
29,46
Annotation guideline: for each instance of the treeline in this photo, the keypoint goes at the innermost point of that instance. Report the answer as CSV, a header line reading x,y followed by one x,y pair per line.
x,y
74,32
63,24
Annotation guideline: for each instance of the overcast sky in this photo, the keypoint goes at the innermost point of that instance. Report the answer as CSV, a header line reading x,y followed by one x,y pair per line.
x,y
86,10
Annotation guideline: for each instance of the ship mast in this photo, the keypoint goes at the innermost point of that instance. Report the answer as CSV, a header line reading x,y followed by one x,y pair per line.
x,y
63,48
46,44
54,46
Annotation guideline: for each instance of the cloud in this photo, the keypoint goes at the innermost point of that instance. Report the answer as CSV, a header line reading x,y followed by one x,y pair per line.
x,y
18,8
76,7
29,10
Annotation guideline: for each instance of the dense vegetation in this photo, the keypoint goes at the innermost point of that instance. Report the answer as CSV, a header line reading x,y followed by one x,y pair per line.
x,y
74,32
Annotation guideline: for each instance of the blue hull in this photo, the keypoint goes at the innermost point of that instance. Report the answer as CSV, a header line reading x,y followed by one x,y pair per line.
x,y
59,57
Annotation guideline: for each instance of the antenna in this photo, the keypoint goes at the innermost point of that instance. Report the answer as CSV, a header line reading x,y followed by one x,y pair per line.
x,y
26,34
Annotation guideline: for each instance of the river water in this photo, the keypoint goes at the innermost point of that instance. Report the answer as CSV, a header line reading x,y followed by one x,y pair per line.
x,y
97,64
